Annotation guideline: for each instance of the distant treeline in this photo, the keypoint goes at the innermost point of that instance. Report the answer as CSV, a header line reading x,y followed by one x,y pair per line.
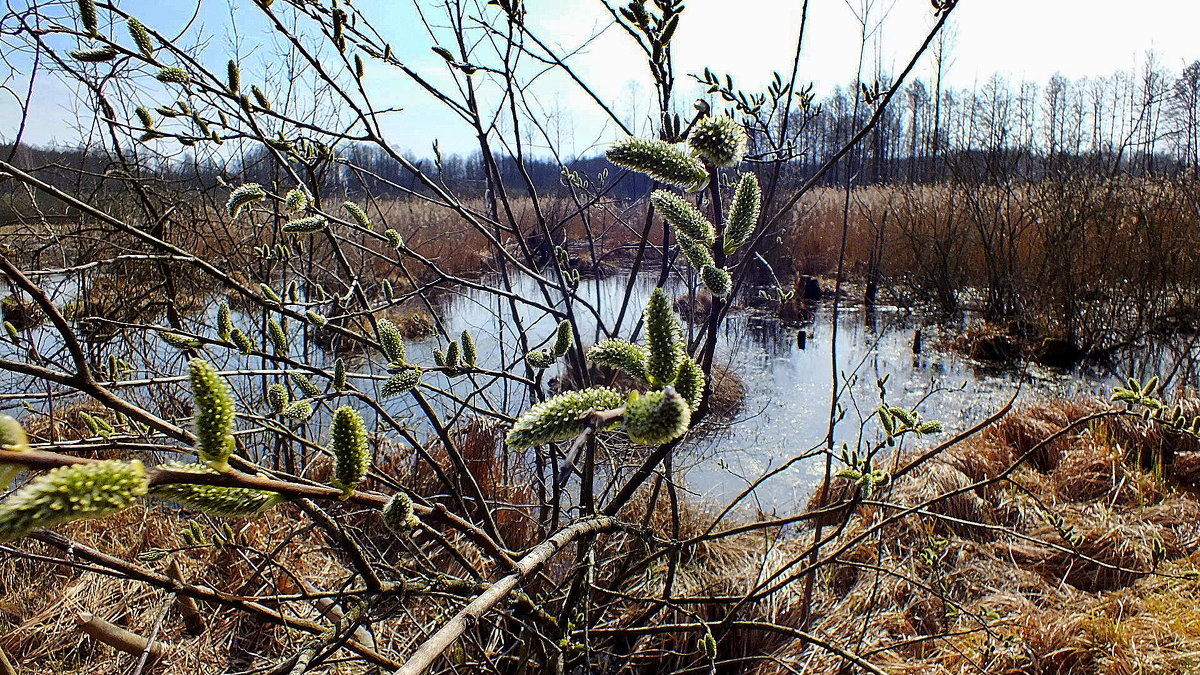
x,y
1140,123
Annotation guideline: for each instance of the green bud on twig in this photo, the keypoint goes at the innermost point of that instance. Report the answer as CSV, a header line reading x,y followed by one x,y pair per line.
x,y
87,16
277,336
296,200
394,239
339,375
539,359
298,410
224,322
239,338
305,385
357,214
178,341
173,75
469,352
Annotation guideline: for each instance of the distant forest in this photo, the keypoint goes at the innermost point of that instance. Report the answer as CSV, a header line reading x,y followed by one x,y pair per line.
x,y
1142,123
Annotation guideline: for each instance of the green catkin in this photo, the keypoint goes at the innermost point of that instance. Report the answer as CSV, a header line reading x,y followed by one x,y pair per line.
x,y
385,287
232,502
394,239
656,417
661,161
263,101
357,214
277,336
683,216
296,200
166,111
173,75
453,356
348,441
213,415
234,76
87,16
270,294
439,357
13,334
304,225
178,341
277,397
145,117
564,336
665,351
469,352
398,514
716,280
315,319
562,417
242,341
339,375
708,644
141,37
539,360
298,410
690,383
12,439
401,383
743,213
718,139
697,254
390,340
224,322
621,355
69,493
305,385
243,196
93,55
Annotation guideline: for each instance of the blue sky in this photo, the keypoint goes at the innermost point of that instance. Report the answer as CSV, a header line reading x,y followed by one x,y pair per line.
x,y
1031,39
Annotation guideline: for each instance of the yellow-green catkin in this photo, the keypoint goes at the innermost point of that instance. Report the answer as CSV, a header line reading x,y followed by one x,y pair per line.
x,y
562,417
391,341
690,382
233,76
243,196
661,161
305,225
698,255
12,439
224,322
656,417
213,415
173,75
663,332
87,16
621,355
401,383
398,514
278,336
718,139
539,359
394,239
93,54
716,280
296,200
277,397
305,384
232,502
469,352
339,375
683,216
356,212
75,492
348,442
141,37
743,213
564,336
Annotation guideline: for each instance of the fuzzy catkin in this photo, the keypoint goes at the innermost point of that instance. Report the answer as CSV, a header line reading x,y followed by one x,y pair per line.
x,y
621,355
719,139
665,351
12,439
390,340
716,280
401,383
690,383
74,492
564,336
304,225
141,37
233,502
743,213
277,397
213,415
348,442
561,417
683,216
661,161
656,417
243,196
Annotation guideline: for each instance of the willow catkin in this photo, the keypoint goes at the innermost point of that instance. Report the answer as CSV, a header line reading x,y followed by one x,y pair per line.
x,y
87,16
243,196
339,375
348,442
564,336
296,200
398,514
469,352
665,350
683,216
277,336
213,416
74,492
305,225
656,417
661,161
93,54
305,384
561,417
141,37
277,397
718,139
743,213
12,439
215,500
233,76
698,255
356,212
716,280
690,382
539,359
620,355
401,383
224,322
173,75
390,340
